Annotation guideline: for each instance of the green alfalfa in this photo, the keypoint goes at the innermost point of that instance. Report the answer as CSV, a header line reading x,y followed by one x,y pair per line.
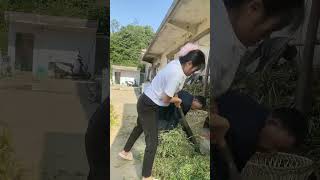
x,y
113,117
177,159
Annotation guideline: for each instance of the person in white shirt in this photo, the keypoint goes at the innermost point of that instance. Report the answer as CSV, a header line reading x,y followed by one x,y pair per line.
x,y
161,92
235,26
240,24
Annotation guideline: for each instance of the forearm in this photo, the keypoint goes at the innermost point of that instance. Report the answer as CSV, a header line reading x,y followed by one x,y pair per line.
x,y
174,99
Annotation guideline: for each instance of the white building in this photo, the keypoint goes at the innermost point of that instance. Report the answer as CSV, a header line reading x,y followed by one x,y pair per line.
x,y
186,21
121,74
36,40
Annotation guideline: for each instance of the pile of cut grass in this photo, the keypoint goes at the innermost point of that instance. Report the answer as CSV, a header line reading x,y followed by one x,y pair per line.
x,y
177,159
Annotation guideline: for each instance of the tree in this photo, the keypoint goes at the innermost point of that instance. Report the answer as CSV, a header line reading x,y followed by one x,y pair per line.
x,y
114,25
127,43
88,9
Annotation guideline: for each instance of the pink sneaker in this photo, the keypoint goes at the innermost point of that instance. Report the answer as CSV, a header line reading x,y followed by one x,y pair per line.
x,y
126,155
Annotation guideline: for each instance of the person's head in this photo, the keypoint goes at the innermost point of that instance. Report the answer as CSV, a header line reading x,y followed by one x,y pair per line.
x,y
255,20
199,102
285,128
193,61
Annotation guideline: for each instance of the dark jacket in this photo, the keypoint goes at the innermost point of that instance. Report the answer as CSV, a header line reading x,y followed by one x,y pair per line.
x,y
246,117
169,116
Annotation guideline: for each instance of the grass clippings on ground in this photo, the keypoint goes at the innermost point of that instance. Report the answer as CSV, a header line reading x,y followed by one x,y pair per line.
x,y
177,159
113,117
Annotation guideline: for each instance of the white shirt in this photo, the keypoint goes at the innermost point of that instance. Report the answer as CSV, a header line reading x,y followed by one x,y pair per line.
x,y
226,49
168,81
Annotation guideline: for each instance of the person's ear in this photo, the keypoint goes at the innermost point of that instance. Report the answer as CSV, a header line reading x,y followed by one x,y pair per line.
x,y
255,7
275,122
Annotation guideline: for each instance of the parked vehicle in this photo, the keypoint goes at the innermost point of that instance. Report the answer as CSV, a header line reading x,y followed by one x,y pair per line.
x,y
130,83
77,70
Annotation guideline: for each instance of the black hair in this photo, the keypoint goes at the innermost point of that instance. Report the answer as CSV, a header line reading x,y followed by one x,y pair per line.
x,y
202,100
291,11
197,58
294,121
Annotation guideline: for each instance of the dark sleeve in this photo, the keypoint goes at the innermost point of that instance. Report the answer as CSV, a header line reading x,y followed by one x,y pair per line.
x,y
187,100
246,117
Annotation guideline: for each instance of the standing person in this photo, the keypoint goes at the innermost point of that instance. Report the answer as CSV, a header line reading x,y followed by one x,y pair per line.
x,y
237,25
161,92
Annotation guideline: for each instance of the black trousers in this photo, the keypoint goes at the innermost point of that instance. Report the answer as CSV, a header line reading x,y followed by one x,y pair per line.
x,y
147,122
96,141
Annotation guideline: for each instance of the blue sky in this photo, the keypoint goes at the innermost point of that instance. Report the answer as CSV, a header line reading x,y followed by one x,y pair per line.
x,y
145,12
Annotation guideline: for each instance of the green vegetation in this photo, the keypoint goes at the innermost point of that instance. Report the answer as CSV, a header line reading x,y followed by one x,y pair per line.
x,y
9,168
113,117
177,160
127,43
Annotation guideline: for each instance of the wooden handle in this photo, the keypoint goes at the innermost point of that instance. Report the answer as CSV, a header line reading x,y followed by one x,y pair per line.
x,y
188,130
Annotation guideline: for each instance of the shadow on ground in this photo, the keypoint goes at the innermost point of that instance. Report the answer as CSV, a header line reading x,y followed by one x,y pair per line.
x,y
64,157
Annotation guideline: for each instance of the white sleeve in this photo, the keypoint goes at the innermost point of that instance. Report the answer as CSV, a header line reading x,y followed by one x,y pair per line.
x,y
172,85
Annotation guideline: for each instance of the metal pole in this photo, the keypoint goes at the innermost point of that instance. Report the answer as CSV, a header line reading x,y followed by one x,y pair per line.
x,y
204,91
304,86
188,131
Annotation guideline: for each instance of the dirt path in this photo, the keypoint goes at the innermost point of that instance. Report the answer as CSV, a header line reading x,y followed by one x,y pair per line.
x,y
124,102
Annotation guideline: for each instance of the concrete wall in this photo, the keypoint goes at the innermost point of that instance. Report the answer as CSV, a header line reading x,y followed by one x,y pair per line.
x,y
54,45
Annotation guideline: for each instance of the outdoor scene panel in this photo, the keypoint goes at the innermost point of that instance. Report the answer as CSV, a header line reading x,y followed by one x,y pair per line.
x,y
147,39
54,85
264,88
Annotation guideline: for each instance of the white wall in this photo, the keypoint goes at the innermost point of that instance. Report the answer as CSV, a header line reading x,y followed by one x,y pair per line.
x,y
127,76
55,45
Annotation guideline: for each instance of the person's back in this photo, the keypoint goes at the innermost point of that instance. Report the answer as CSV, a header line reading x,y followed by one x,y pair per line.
x,y
155,89
246,118
169,116
254,128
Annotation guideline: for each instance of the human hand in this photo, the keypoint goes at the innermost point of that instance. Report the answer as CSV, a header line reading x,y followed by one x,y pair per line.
x,y
177,102
220,128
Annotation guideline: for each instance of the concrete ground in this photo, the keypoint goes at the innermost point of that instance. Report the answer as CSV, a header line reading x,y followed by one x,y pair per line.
x,y
124,102
47,120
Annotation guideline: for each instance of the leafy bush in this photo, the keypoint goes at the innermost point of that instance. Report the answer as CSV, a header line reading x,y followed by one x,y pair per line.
x,y
9,168
177,159
113,117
